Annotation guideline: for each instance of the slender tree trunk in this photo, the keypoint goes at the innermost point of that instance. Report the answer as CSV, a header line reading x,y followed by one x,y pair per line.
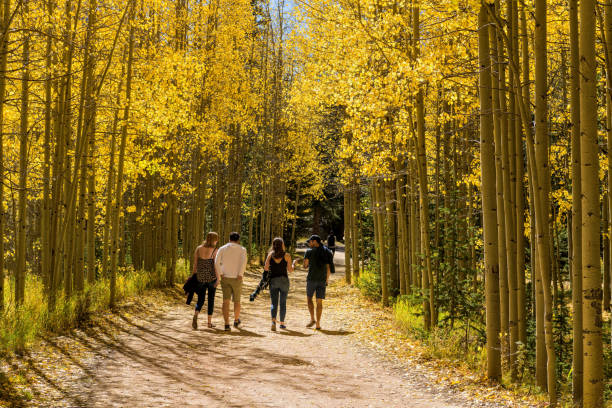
x,y
45,217
608,59
379,192
591,272
91,202
6,7
295,215
489,218
251,217
356,193
520,166
120,166
347,234
606,252
421,153
509,176
402,227
499,184
20,252
543,190
576,252
390,236
414,237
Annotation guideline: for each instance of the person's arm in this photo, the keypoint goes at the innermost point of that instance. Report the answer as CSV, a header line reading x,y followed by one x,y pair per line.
x,y
218,261
306,260
244,264
328,273
267,264
215,252
289,264
294,263
195,260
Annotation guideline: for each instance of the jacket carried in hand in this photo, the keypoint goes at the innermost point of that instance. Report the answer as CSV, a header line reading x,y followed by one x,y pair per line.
x,y
190,287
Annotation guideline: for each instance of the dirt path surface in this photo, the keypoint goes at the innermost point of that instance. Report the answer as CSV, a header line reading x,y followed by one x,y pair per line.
x,y
160,361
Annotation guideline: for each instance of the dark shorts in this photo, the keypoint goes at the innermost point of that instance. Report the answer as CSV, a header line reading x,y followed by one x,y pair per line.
x,y
315,286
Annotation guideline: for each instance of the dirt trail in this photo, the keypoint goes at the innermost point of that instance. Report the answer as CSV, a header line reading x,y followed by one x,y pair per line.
x,y
164,363
159,361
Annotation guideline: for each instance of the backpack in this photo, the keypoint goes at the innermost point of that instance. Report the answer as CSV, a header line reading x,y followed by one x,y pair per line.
x,y
330,259
331,241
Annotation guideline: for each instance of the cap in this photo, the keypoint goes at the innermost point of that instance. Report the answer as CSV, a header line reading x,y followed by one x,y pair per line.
x,y
315,238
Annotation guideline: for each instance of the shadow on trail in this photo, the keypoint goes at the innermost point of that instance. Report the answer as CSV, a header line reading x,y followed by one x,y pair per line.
x,y
238,332
11,395
336,332
207,350
30,375
151,351
62,349
141,356
140,327
287,332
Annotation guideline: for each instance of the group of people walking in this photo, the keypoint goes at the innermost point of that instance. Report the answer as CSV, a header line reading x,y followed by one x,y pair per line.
x,y
227,265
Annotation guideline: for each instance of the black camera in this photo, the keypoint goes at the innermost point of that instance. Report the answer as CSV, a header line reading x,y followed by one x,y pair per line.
x,y
263,284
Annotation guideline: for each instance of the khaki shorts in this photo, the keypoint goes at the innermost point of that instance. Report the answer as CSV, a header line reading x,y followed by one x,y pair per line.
x,y
232,289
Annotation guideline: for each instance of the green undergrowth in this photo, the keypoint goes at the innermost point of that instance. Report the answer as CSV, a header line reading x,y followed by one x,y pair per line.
x,y
368,282
19,327
459,340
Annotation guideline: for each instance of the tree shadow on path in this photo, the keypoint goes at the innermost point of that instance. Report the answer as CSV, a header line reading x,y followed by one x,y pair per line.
x,y
11,395
335,332
31,375
287,332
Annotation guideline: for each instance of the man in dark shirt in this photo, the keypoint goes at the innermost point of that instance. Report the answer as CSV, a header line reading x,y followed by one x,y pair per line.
x,y
316,260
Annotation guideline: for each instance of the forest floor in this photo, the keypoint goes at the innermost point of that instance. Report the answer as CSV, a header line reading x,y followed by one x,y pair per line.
x,y
147,355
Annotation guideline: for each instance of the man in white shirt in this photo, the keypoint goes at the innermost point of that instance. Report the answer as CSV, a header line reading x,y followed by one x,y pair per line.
x,y
231,262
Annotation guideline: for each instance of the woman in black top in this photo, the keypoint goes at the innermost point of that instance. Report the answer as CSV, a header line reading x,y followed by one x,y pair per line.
x,y
207,274
278,264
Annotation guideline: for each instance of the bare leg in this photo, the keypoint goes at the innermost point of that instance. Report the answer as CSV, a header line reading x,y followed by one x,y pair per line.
x,y
319,312
236,310
311,309
226,311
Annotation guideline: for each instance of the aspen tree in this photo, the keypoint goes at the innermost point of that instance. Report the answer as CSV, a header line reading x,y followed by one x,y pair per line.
x,y
576,216
20,252
379,208
355,210
606,252
4,40
347,234
421,154
402,230
45,217
591,273
542,191
117,204
521,91
498,129
608,59
509,174
489,218
390,236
